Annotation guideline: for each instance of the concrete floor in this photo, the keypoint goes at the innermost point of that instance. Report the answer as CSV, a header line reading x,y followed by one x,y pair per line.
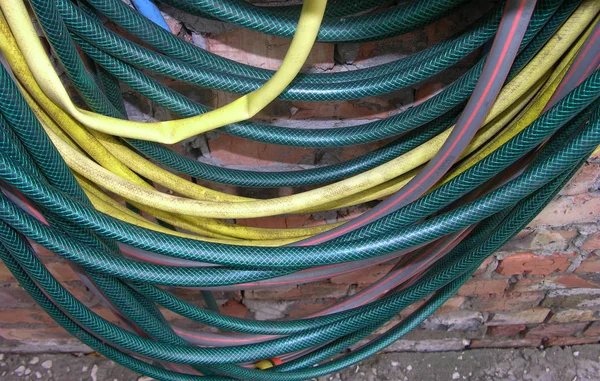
x,y
579,363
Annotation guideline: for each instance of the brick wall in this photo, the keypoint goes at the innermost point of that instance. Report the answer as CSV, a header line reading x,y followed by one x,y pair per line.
x,y
543,288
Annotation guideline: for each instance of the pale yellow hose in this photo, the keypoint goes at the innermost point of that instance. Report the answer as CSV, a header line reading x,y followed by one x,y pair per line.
x,y
96,150
106,205
386,172
176,130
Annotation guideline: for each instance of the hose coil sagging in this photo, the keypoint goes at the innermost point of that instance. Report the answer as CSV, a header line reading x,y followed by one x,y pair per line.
x,y
466,170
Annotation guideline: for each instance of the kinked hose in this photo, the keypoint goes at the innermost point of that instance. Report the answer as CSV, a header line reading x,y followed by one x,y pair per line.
x,y
466,170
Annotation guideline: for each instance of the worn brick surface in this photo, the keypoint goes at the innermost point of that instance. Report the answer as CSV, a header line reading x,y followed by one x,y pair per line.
x,y
452,304
262,50
585,179
541,287
483,287
234,308
574,315
542,240
531,316
364,276
527,263
587,298
553,282
546,331
570,209
305,308
569,341
508,301
593,330
592,242
303,291
485,266
506,330
507,343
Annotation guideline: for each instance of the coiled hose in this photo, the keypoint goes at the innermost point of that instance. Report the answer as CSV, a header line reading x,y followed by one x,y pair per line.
x,y
467,169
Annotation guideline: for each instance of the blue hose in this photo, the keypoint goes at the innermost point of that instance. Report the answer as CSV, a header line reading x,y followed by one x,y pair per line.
x,y
149,10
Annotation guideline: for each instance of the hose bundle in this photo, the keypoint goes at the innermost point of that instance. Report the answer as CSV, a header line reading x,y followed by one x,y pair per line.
x,y
466,171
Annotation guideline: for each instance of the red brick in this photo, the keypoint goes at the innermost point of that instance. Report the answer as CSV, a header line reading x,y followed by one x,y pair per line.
x,y
527,263
25,316
484,266
62,271
366,51
547,331
262,50
298,221
35,334
303,291
567,210
410,309
506,330
11,293
234,308
351,152
366,275
5,275
552,282
304,309
174,25
574,315
273,222
568,341
591,264
365,108
593,330
532,316
483,287
451,304
514,343
583,181
41,251
541,240
232,150
592,242
36,315
508,301
427,91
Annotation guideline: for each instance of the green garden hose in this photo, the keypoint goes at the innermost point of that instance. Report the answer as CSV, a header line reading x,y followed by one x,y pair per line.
x,y
462,221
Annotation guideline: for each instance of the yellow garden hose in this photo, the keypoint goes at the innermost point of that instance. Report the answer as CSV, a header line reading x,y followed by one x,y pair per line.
x,y
327,195
527,117
171,131
96,150
106,205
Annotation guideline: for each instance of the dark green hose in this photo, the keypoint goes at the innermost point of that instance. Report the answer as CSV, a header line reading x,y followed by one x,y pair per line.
x,y
391,22
326,87
277,257
586,141
487,204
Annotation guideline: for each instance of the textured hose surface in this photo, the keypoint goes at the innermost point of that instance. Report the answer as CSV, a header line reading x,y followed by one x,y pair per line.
x,y
477,182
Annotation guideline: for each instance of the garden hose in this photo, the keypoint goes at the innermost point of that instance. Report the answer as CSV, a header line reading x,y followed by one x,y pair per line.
x,y
468,169
353,185
339,86
174,131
